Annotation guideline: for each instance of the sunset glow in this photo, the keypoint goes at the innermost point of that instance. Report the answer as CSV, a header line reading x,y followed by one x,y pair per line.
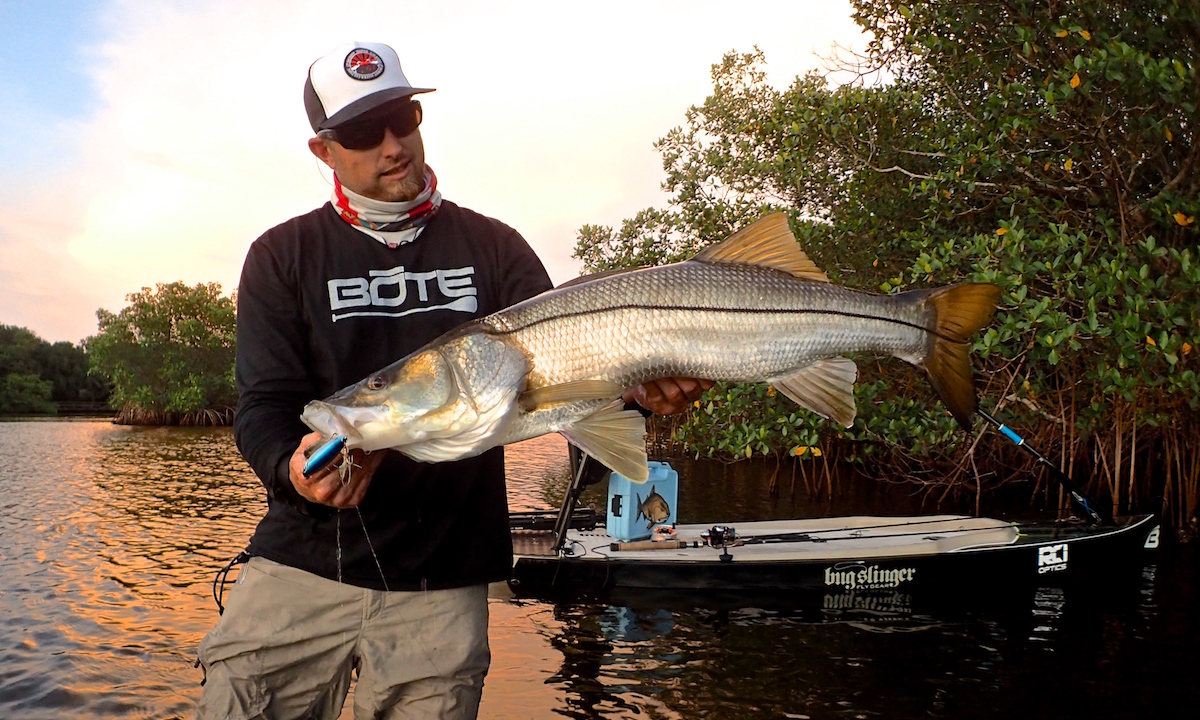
x,y
178,134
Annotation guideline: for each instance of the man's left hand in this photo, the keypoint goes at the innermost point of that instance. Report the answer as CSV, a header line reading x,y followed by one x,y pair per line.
x,y
668,396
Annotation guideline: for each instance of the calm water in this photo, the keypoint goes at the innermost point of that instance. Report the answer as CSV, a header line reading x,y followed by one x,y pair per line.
x,y
109,538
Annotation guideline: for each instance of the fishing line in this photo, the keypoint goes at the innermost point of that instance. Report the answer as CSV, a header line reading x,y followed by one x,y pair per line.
x,y
344,471
371,547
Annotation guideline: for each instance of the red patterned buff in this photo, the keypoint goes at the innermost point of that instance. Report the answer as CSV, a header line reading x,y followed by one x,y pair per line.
x,y
387,217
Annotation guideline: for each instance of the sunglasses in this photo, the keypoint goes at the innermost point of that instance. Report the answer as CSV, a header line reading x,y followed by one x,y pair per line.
x,y
365,134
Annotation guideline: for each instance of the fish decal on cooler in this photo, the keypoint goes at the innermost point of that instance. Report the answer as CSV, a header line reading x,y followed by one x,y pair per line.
x,y
654,508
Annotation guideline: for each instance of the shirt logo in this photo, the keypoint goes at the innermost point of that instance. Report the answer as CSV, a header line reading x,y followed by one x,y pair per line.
x,y
397,292
363,64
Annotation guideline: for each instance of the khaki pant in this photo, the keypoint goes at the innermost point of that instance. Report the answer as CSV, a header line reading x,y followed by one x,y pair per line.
x,y
288,641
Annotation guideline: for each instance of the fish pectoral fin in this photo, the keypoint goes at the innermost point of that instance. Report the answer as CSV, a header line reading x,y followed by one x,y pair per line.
x,y
767,242
569,392
615,437
826,387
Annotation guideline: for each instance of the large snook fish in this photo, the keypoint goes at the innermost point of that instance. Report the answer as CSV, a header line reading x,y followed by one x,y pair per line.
x,y
753,308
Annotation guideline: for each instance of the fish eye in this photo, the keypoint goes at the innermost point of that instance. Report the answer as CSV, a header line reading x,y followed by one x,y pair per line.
x,y
377,382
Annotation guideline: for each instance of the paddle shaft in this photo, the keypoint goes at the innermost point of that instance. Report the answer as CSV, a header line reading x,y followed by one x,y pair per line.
x,y
1086,505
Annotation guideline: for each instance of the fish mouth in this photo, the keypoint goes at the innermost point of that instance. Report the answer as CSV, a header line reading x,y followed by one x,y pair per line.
x,y
333,420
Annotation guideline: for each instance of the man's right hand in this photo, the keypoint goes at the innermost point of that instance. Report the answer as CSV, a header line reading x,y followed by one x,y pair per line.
x,y
327,486
668,396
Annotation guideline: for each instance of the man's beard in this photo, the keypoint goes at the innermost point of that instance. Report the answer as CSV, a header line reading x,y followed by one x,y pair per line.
x,y
410,187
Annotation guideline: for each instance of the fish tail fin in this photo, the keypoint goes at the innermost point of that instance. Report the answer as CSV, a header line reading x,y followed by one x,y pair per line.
x,y
959,311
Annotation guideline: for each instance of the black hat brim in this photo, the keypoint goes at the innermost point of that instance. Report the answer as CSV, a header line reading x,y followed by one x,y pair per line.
x,y
361,106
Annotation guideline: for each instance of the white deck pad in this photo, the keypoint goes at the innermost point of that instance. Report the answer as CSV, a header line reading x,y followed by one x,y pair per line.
x,y
844,538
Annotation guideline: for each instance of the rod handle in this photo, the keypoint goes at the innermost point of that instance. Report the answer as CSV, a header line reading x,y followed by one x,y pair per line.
x,y
650,545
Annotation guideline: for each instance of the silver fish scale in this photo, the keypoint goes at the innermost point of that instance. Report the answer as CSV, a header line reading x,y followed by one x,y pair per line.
x,y
739,323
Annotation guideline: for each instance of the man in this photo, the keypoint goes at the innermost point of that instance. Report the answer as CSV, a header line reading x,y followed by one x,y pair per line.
x,y
383,568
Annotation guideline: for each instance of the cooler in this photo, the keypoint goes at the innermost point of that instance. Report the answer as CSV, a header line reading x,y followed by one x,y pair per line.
x,y
635,508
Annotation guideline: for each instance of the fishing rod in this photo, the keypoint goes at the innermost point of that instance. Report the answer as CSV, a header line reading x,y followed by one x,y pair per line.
x,y
855,533
1082,502
725,536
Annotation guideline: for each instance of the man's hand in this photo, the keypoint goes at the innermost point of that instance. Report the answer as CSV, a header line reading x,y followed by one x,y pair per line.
x,y
668,396
327,486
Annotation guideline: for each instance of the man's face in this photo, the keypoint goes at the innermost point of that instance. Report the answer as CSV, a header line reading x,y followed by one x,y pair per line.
x,y
393,171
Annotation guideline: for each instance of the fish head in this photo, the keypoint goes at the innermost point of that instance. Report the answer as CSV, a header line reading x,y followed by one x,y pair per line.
x,y
388,408
444,401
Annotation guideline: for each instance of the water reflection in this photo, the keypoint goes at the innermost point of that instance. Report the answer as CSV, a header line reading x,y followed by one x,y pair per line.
x,y
861,657
109,538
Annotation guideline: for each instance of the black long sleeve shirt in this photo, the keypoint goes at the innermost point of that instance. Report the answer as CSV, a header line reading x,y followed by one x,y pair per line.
x,y
320,306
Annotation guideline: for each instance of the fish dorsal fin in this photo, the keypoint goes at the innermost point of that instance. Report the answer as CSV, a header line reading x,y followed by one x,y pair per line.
x,y
767,242
826,387
615,437
569,392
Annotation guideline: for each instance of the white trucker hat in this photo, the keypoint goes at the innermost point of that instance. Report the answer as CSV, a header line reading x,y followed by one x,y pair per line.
x,y
353,79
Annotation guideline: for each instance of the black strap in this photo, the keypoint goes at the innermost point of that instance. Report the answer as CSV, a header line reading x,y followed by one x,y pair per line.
x,y
219,592
223,575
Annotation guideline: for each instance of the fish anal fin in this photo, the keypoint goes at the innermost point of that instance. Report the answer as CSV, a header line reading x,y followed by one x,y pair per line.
x,y
767,242
959,311
615,437
826,387
569,392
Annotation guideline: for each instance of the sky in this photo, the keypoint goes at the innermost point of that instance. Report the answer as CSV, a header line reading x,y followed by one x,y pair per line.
x,y
147,142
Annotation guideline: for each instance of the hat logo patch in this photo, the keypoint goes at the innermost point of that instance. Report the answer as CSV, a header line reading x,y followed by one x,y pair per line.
x,y
363,64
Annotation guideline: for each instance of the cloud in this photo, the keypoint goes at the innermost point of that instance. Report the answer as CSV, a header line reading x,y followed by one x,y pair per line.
x,y
545,116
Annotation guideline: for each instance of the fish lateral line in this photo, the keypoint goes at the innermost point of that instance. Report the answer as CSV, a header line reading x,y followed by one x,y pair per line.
x,y
722,310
